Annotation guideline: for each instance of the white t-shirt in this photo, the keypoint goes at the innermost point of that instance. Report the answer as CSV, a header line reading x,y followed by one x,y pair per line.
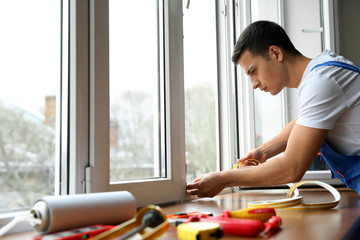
x,y
329,98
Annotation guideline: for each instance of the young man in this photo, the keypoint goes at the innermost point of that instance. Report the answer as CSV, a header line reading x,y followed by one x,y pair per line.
x,y
329,113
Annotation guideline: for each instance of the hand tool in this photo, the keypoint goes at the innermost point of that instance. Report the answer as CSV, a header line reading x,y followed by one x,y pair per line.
x,y
199,231
233,226
187,215
272,226
261,214
150,216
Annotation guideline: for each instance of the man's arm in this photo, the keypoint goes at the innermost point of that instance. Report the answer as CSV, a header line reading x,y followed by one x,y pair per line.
x,y
302,146
272,147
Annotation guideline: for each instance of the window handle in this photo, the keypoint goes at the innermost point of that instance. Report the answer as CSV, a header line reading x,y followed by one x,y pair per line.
x,y
312,30
188,4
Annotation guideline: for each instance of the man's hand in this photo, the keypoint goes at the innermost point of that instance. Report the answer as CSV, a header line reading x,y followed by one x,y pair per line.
x,y
207,185
253,154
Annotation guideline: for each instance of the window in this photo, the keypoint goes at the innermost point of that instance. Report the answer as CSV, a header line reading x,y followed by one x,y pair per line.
x,y
136,77
269,117
29,98
200,78
136,100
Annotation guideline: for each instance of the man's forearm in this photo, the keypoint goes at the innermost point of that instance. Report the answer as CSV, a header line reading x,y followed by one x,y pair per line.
x,y
274,172
301,148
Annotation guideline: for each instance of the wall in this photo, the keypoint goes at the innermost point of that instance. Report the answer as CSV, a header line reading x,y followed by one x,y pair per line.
x,y
349,30
299,15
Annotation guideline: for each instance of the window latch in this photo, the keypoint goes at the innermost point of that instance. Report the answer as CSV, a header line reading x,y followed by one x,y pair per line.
x,y
188,4
224,10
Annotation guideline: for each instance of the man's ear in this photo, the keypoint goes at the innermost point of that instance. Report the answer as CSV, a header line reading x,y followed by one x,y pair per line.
x,y
276,53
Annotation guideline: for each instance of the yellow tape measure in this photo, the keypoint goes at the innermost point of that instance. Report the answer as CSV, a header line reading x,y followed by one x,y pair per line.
x,y
199,231
295,203
250,162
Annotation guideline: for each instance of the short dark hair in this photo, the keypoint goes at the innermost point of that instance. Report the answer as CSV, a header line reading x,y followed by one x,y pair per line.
x,y
259,36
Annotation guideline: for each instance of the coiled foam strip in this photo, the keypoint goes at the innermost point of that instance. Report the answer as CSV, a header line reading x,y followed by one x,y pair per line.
x,y
295,203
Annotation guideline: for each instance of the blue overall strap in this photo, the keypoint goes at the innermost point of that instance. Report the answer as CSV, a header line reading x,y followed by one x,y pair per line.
x,y
338,64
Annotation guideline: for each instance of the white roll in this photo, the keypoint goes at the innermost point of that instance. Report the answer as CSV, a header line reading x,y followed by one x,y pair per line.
x,y
58,213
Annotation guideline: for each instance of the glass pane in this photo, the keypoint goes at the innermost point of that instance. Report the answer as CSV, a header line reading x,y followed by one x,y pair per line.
x,y
134,90
30,80
268,116
200,72
268,108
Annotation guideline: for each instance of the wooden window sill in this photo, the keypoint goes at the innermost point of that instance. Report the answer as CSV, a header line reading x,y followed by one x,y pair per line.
x,y
329,224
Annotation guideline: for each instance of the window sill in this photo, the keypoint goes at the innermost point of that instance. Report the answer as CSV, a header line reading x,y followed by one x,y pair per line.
x,y
20,236
5,218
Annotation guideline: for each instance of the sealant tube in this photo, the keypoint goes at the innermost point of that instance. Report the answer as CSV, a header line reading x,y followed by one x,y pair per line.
x,y
58,213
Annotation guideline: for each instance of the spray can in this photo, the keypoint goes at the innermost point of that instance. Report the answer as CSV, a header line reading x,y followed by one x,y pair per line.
x,y
58,213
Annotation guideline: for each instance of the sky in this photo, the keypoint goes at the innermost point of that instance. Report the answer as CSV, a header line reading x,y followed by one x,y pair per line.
x,y
133,51
30,49
133,47
29,52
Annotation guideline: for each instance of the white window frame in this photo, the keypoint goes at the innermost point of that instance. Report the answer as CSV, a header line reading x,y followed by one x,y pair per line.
x,y
228,127
145,191
246,103
75,148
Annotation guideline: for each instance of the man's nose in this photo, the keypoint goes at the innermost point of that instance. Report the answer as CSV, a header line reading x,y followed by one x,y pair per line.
x,y
255,83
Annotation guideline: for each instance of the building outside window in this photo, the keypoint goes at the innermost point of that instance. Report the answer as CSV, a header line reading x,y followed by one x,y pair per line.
x,y
30,80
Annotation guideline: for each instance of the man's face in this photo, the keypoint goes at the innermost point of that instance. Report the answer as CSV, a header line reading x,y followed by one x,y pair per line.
x,y
265,74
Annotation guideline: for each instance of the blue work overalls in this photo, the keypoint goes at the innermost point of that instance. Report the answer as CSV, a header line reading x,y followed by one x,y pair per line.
x,y
346,168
